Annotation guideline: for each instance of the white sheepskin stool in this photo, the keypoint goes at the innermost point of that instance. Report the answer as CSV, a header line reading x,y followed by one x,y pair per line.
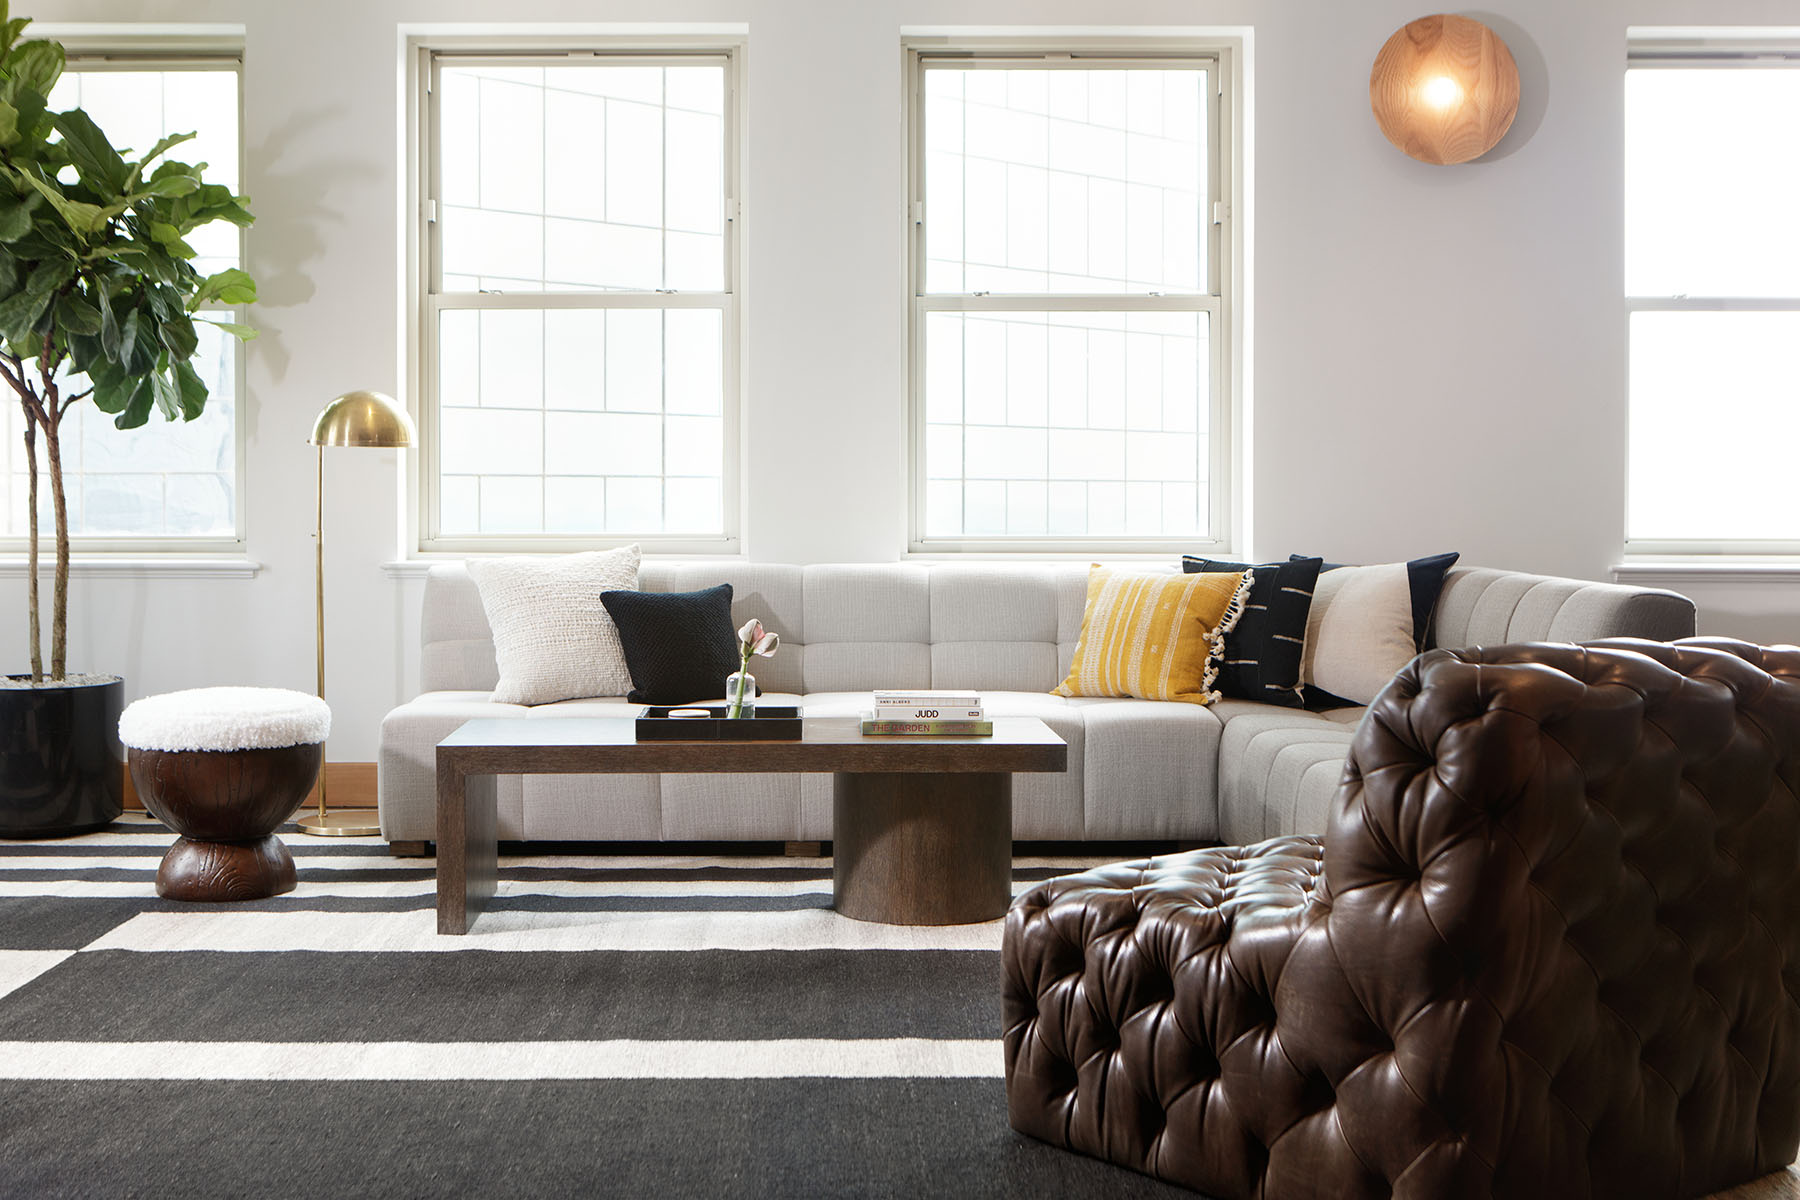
x,y
224,767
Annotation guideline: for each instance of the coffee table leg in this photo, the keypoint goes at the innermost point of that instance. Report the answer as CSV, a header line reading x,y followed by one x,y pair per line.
x,y
468,848
922,849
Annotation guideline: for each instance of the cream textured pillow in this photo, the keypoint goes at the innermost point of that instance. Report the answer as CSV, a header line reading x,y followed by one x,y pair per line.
x,y
553,638
1359,631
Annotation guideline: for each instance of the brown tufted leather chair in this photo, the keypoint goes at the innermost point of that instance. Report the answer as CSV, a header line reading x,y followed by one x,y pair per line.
x,y
1549,946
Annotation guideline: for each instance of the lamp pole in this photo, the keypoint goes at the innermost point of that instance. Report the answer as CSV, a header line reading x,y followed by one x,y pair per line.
x,y
367,419
319,605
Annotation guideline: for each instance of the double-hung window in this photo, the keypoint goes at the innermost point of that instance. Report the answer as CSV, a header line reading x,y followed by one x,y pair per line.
x,y
167,484
1072,279
580,318
1712,283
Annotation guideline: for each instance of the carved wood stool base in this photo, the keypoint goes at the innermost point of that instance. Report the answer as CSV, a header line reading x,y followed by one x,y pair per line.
x,y
215,871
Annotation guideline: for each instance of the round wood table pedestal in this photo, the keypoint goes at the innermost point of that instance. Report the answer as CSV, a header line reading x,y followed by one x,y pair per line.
x,y
226,805
918,848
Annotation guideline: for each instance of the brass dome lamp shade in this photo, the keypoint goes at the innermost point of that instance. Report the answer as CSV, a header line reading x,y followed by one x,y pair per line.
x,y
372,420
1444,89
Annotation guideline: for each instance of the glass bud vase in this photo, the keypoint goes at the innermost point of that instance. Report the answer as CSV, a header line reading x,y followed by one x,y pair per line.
x,y
740,694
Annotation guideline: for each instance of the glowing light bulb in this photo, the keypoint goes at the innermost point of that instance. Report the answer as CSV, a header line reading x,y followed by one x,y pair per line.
x,y
1441,92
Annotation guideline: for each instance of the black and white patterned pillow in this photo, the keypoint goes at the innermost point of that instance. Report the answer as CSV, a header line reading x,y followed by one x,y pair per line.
x,y
1262,653
1410,617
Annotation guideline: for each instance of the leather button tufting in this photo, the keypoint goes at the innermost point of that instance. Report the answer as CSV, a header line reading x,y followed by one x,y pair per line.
x,y
1612,837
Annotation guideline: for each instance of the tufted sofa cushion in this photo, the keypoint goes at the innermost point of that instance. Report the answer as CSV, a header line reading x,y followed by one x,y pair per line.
x,y
1549,945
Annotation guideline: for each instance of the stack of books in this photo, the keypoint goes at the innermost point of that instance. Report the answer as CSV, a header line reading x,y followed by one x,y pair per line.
x,y
931,714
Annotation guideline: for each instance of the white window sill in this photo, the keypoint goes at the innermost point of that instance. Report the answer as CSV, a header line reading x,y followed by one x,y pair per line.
x,y
419,567
1718,571
142,567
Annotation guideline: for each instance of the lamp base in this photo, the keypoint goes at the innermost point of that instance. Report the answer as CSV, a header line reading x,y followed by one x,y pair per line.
x,y
343,823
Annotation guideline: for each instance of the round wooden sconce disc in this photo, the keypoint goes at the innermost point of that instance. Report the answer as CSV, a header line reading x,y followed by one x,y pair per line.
x,y
1444,89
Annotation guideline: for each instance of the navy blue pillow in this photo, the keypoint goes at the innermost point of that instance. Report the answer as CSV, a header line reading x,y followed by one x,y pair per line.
x,y
679,646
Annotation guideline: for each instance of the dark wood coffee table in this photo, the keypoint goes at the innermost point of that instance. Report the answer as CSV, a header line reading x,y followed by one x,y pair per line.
x,y
921,826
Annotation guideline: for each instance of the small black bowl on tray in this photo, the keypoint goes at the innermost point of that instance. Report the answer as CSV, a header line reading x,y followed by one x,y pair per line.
x,y
769,723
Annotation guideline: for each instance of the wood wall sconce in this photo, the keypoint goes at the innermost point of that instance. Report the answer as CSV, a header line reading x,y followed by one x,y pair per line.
x,y
1444,89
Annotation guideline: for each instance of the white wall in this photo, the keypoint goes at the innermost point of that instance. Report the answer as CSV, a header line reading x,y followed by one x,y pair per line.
x,y
1439,352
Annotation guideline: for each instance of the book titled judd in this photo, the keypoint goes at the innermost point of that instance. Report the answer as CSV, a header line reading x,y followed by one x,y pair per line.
x,y
874,724
928,706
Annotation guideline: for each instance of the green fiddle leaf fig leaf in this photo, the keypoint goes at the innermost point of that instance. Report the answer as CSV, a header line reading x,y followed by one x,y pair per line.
x,y
50,275
110,336
9,124
157,151
98,164
193,390
147,350
179,336
76,315
167,395
242,333
15,216
170,238
9,35
136,408
165,304
230,286
169,185
19,315
30,104
36,64
9,273
130,354
79,216
84,354
111,395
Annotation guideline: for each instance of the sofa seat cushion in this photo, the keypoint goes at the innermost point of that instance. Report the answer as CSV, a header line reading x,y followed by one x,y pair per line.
x,y
407,775
1279,769
1150,769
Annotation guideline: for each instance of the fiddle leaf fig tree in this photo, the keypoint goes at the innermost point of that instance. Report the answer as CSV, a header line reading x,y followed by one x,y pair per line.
x,y
98,293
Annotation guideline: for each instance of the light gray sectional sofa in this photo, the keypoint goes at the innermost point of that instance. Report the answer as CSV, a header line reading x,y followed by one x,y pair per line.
x,y
1236,771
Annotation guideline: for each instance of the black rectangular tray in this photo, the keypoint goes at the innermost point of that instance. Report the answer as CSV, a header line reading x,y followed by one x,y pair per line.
x,y
772,723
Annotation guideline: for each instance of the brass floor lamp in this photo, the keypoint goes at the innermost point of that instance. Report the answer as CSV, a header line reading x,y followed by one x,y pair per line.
x,y
353,419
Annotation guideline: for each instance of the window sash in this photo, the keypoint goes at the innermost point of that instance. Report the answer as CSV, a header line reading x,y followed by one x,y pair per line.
x,y
88,54
1221,136
436,301
1725,54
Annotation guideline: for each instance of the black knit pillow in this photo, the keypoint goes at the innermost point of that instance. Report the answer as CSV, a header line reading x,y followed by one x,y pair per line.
x,y
679,646
1262,653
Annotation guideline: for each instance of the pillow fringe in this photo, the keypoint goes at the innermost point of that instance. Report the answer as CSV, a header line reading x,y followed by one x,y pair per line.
x,y
1215,640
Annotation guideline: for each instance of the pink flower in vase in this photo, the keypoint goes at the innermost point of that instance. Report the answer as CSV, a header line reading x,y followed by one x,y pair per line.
x,y
752,639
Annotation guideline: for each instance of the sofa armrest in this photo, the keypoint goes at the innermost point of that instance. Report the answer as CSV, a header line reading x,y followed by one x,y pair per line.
x,y
1558,938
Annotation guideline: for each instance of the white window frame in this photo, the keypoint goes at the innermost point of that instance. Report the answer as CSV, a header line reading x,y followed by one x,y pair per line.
x,y
426,300
216,48
1222,298
1659,49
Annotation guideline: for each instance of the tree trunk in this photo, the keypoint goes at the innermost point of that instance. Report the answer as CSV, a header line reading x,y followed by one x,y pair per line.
x,y
31,563
59,597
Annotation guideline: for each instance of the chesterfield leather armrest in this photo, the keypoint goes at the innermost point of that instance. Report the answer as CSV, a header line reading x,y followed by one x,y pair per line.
x,y
1548,946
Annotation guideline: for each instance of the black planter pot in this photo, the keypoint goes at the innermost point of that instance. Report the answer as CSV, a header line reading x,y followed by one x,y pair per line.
x,y
59,758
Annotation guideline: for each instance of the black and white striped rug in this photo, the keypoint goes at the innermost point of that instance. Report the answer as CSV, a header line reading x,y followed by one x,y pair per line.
x,y
616,1025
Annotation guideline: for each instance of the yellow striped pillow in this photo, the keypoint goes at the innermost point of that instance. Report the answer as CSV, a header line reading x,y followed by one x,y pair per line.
x,y
1154,636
